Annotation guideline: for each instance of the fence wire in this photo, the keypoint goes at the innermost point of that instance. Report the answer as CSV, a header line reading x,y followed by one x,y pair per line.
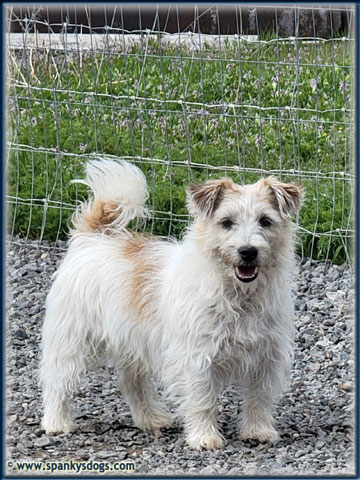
x,y
184,106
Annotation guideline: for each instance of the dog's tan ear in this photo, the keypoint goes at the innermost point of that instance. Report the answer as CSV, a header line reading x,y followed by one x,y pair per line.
x,y
289,196
205,198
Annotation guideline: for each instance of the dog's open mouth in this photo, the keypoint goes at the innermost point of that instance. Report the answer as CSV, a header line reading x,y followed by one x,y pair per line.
x,y
246,273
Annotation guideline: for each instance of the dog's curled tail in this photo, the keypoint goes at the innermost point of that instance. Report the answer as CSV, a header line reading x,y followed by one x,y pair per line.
x,y
119,193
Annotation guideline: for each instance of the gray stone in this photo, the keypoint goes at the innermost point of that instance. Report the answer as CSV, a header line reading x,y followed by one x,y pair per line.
x,y
209,470
42,442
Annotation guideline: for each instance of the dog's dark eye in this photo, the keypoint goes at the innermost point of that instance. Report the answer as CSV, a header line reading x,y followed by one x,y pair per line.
x,y
265,222
227,223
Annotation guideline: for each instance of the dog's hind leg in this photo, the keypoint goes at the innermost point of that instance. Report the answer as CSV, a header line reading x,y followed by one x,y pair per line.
x,y
63,363
147,411
57,412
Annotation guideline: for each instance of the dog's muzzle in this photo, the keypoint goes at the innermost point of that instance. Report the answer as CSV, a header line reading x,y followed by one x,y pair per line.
x,y
247,270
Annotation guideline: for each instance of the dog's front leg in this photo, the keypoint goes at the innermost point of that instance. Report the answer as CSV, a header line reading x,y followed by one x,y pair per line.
x,y
199,408
257,420
264,385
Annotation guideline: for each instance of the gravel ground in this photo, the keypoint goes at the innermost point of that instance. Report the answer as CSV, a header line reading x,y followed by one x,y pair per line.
x,y
314,417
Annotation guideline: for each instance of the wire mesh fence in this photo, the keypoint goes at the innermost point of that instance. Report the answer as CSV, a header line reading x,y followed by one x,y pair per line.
x,y
184,106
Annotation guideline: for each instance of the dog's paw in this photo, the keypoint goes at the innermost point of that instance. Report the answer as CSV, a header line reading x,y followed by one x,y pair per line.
x,y
57,426
154,421
262,434
206,442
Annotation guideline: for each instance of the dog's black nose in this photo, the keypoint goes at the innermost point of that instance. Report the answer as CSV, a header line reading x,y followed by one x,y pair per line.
x,y
248,254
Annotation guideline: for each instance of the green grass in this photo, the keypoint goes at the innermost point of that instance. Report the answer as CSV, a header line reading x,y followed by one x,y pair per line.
x,y
167,105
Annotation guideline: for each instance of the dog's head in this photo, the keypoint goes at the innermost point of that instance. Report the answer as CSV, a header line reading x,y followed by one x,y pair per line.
x,y
246,227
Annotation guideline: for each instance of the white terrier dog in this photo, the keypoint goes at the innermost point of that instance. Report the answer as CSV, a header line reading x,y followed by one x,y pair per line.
x,y
213,309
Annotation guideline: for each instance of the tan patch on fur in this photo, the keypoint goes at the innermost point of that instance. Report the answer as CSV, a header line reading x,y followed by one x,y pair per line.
x,y
207,196
98,217
285,197
267,194
144,268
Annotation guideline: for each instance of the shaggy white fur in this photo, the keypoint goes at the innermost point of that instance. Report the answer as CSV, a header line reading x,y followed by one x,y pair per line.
x,y
198,314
